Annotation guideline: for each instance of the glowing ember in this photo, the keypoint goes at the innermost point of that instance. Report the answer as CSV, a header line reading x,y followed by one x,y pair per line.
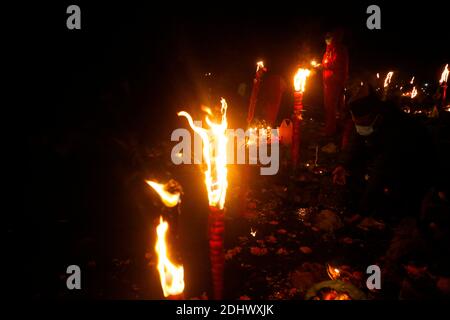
x,y
169,199
412,80
378,76
444,75
259,65
387,80
333,273
215,156
253,232
300,79
171,276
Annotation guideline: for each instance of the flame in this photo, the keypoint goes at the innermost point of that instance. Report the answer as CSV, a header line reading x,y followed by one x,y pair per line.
x,y
171,276
259,65
444,75
207,110
413,92
412,80
169,199
215,155
315,64
300,79
333,273
387,80
378,76
253,232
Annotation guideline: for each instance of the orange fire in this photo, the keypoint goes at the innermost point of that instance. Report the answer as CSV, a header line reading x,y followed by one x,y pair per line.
x,y
259,65
169,199
171,276
300,79
215,155
333,273
413,92
315,64
444,75
387,80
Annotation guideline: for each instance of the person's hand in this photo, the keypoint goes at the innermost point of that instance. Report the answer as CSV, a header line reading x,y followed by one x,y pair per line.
x,y
340,176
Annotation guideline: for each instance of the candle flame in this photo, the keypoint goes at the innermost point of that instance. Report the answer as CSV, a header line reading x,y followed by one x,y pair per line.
x,y
171,276
169,199
300,79
387,80
215,155
444,75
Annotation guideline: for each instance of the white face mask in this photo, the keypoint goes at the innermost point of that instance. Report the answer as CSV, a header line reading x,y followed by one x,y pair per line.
x,y
365,130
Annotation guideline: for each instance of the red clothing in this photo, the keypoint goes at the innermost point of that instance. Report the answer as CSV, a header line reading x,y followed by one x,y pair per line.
x,y
335,73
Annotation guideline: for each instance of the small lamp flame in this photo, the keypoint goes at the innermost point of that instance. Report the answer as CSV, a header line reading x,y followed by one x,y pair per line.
x,y
387,80
444,75
259,65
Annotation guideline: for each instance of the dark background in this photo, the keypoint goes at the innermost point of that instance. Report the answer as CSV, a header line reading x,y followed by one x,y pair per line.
x,y
126,73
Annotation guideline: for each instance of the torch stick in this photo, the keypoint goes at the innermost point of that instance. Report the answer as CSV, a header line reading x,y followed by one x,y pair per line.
x,y
296,119
216,249
299,89
260,69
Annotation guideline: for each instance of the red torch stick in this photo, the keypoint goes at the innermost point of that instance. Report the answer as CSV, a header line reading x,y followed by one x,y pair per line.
x,y
216,249
299,89
260,69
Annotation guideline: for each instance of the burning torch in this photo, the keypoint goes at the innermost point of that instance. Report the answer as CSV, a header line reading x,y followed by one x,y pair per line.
x,y
171,275
299,89
443,83
215,156
260,69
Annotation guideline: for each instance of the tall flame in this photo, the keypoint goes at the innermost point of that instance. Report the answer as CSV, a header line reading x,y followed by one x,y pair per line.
x,y
215,155
387,80
171,276
444,75
169,199
259,65
300,79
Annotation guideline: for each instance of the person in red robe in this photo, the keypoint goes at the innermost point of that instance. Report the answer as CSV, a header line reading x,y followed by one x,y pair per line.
x,y
335,74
